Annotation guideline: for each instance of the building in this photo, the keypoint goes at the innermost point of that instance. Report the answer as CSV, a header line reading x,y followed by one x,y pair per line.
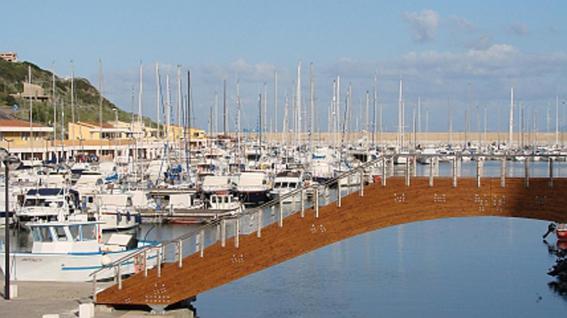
x,y
9,56
93,131
32,91
176,133
15,133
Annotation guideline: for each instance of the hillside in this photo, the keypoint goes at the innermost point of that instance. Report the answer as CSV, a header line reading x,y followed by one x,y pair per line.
x,y
12,75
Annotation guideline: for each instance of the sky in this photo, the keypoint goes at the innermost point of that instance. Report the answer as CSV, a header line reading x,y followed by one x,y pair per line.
x,y
456,56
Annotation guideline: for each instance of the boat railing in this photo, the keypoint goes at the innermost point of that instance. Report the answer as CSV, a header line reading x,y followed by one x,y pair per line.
x,y
256,218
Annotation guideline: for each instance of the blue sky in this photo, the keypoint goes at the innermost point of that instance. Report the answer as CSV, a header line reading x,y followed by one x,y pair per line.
x,y
451,53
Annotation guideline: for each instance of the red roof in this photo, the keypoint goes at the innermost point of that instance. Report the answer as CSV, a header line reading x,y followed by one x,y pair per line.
x,y
17,123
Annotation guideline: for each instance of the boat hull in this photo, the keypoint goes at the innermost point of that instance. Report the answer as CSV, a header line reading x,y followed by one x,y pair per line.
x,y
59,267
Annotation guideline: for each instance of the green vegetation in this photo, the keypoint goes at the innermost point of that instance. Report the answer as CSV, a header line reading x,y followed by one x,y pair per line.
x,y
87,97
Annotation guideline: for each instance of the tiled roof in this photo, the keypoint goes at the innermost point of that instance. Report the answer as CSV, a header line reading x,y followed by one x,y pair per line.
x,y
17,123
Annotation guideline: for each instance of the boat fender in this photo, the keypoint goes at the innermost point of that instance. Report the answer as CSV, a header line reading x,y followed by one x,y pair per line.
x,y
105,260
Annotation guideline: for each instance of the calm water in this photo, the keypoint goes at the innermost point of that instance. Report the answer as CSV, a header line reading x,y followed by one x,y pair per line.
x,y
468,267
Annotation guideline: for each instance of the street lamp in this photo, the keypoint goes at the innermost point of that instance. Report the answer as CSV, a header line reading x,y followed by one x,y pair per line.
x,y
10,162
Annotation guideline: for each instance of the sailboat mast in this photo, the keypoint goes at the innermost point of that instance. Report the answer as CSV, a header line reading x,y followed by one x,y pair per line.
x,y
556,121
264,126
374,119
188,132
73,102
260,123
31,115
167,109
158,98
276,102
366,115
53,105
338,111
298,103
225,118
401,117
99,102
511,120
311,106
141,97
238,129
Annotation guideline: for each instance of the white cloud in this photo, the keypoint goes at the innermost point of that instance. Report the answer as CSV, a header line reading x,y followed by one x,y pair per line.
x,y
423,24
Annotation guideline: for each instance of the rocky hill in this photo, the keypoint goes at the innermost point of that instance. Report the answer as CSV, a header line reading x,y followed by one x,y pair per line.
x,y
12,77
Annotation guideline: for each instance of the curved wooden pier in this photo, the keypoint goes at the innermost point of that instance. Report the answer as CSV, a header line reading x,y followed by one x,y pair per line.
x,y
379,207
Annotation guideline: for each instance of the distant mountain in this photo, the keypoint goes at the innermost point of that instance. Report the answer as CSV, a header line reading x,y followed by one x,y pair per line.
x,y
12,77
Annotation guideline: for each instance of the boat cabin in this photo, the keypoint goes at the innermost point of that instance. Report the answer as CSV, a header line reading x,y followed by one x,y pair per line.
x,y
64,237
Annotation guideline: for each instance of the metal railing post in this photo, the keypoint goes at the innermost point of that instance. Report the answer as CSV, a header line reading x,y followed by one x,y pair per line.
x,y
551,172
317,202
384,171
280,214
180,253
408,172
159,262
302,198
414,162
527,172
503,173
361,182
431,172
145,263
455,171
477,172
202,243
119,276
259,228
94,288
339,195
223,233
237,233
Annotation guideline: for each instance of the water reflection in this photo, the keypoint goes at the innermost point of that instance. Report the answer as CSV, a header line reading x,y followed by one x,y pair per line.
x,y
559,269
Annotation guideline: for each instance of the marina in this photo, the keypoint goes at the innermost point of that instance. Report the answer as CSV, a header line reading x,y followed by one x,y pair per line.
x,y
297,159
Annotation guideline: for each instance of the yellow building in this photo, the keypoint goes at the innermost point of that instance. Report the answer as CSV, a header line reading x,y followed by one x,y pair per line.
x,y
92,131
17,133
176,133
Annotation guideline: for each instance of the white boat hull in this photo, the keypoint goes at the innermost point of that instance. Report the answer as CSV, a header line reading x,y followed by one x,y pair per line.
x,y
68,267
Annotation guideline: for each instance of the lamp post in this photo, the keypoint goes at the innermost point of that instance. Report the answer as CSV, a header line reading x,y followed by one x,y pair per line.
x,y
10,162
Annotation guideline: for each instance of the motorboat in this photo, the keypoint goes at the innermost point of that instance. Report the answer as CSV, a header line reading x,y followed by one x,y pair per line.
x,y
71,251
286,182
116,212
216,184
47,204
253,187
225,202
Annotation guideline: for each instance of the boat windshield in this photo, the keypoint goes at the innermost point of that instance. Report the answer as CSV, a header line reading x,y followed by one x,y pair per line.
x,y
89,231
41,234
60,232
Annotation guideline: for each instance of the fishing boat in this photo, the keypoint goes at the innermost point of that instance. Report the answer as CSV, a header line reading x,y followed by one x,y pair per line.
x,y
71,251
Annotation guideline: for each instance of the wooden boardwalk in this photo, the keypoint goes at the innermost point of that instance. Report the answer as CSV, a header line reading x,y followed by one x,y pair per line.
x,y
380,207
